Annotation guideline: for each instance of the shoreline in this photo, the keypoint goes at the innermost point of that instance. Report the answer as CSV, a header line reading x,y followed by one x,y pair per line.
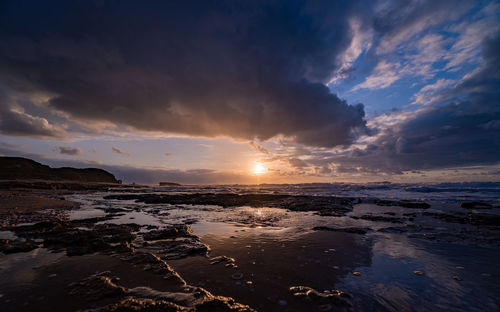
x,y
112,257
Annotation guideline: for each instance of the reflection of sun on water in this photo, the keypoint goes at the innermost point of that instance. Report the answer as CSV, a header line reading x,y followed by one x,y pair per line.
x,y
258,168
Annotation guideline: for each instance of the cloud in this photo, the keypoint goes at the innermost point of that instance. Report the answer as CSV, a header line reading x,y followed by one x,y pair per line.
x,y
15,122
431,92
400,21
70,151
460,128
297,163
200,69
362,37
9,145
425,38
258,147
117,150
384,75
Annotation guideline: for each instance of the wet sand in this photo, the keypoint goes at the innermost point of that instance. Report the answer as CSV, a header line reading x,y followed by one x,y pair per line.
x,y
18,206
267,262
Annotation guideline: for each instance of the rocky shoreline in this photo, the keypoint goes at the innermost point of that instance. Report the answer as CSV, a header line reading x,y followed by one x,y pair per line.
x,y
146,249
85,237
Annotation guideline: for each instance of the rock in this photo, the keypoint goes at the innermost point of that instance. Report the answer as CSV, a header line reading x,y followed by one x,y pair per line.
x,y
143,305
57,235
96,287
476,205
487,219
178,230
335,297
402,203
353,230
379,218
145,299
230,262
114,210
8,246
393,230
176,248
152,263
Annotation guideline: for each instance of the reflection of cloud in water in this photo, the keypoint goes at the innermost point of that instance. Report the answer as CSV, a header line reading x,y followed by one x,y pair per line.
x,y
391,284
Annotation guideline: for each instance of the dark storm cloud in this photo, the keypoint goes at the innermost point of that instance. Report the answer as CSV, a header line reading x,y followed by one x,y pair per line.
x,y
70,150
14,121
233,68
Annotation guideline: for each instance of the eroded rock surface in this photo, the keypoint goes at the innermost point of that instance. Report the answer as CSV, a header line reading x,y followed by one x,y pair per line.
x,y
172,242
144,298
325,300
79,237
97,286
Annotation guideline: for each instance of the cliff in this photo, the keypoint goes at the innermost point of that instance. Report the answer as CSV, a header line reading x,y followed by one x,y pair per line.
x,y
17,168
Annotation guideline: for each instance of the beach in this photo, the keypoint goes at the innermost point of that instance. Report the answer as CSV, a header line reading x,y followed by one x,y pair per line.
x,y
246,248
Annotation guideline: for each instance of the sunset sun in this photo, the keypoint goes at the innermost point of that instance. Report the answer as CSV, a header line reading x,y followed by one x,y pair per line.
x,y
258,169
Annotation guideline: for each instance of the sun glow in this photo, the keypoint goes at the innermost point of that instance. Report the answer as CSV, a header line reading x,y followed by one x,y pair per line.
x,y
258,168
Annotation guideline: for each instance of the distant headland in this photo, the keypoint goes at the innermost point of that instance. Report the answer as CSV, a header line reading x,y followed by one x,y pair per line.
x,y
23,172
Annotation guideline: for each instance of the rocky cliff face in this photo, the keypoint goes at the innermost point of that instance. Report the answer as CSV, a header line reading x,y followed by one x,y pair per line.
x,y
17,168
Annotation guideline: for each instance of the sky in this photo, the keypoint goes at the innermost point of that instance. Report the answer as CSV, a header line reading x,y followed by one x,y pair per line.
x,y
203,92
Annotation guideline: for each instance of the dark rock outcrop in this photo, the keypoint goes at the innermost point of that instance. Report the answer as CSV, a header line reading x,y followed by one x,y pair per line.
x,y
353,230
402,203
379,218
324,299
476,205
